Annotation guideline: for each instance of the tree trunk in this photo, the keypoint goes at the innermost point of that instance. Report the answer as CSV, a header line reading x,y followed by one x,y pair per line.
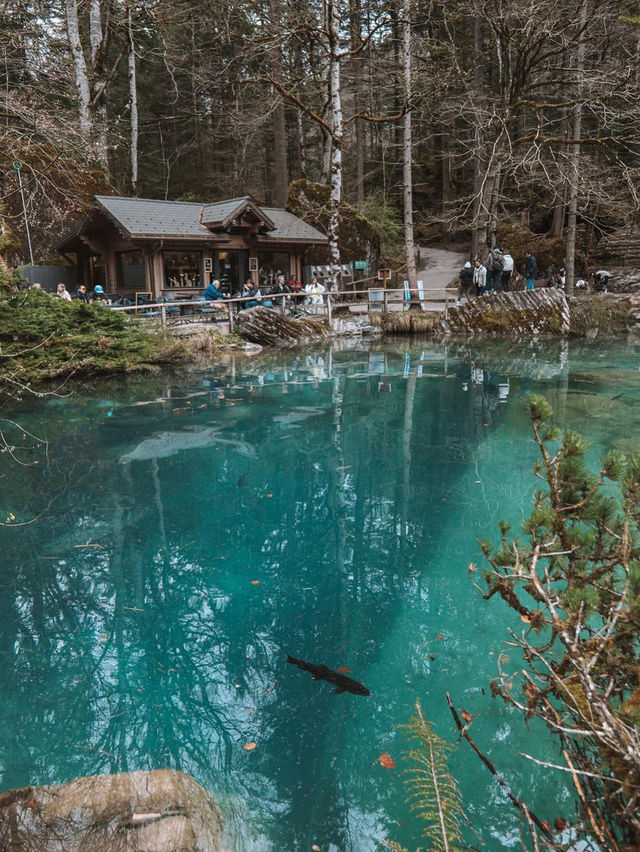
x,y
479,226
133,99
80,67
574,154
356,41
336,125
407,149
280,160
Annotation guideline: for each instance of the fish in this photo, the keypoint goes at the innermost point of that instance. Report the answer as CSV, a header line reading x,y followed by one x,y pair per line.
x,y
320,672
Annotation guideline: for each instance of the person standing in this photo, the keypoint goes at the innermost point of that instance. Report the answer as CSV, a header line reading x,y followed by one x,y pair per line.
x,y
494,264
507,269
479,278
530,269
466,279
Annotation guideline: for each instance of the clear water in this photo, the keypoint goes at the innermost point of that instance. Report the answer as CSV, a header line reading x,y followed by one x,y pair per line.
x,y
192,530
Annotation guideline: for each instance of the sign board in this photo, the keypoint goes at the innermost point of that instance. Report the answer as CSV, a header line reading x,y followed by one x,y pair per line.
x,y
207,264
360,264
253,264
384,274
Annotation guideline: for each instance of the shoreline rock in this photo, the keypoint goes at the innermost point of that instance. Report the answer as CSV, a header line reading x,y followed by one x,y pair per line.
x,y
158,811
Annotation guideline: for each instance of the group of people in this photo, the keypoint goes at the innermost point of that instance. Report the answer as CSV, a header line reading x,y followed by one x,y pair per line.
x,y
493,274
81,293
263,294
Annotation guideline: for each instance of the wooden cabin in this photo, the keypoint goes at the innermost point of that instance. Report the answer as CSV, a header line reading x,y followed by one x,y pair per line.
x,y
173,249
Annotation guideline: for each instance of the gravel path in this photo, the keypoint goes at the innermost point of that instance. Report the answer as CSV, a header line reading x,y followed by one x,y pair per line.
x,y
439,267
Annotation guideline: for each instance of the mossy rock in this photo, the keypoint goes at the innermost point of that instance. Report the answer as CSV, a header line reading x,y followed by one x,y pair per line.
x,y
357,236
549,251
602,314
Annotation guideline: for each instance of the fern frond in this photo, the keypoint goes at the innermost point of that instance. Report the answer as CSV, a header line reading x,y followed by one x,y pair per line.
x,y
432,791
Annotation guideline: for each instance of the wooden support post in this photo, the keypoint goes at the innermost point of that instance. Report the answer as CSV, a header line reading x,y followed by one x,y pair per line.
x,y
230,309
329,309
282,305
163,315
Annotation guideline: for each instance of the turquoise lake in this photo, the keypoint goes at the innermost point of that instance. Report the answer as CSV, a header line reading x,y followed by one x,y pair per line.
x,y
190,530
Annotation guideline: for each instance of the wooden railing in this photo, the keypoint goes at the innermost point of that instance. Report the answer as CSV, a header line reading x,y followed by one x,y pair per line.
x,y
374,298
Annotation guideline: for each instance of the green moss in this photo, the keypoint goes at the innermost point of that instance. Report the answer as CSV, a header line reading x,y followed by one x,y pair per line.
x,y
42,336
602,314
359,238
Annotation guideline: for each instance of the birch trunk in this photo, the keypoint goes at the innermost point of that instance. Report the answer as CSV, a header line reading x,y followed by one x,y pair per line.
x,y
407,170
336,125
574,153
98,84
80,67
133,98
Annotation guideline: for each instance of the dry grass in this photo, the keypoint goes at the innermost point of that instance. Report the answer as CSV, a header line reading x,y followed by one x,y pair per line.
x,y
407,322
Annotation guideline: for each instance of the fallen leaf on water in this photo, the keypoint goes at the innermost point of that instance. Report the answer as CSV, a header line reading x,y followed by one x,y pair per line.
x,y
466,716
255,582
525,618
386,761
250,746
343,669
269,495
440,636
315,847
545,824
559,824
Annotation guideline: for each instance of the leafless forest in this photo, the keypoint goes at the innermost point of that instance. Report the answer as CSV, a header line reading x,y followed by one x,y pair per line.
x,y
458,119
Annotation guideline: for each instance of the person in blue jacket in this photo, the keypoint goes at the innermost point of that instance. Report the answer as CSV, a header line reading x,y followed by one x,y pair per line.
x,y
530,269
213,292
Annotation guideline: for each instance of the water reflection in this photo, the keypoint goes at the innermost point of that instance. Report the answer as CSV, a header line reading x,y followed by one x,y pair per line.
x,y
198,527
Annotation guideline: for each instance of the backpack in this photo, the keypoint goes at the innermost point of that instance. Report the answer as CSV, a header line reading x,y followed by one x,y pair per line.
x,y
497,260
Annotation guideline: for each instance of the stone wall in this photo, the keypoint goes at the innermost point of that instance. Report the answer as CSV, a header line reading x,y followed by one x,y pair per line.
x,y
528,313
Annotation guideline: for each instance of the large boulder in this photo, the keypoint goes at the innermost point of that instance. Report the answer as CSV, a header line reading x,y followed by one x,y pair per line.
x,y
527,313
158,811
267,327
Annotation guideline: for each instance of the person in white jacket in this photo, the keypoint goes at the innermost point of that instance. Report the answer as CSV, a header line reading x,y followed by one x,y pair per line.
x,y
63,292
479,278
314,291
507,269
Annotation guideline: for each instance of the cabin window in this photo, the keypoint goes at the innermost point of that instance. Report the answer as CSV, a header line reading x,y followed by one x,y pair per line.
x,y
271,264
182,269
131,270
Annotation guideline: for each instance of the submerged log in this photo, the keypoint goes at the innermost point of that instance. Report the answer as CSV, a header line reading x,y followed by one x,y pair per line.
x,y
163,811
527,313
269,328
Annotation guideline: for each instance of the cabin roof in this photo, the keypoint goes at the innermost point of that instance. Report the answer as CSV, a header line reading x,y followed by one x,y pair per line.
x,y
149,218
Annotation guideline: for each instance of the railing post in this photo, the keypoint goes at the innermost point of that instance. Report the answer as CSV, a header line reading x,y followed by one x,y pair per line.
x,y
282,307
329,310
230,309
384,300
163,315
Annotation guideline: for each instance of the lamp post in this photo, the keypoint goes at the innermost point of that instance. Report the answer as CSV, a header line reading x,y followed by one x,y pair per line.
x,y
17,166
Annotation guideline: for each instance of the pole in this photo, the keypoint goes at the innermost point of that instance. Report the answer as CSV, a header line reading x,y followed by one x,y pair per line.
x,y
17,166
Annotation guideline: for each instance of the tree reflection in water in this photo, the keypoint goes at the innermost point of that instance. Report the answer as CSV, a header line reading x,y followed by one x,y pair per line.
x,y
193,540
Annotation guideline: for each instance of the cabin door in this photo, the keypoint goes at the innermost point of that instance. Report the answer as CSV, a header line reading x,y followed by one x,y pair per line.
x,y
231,269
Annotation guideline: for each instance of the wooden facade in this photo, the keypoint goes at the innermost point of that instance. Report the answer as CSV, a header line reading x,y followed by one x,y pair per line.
x,y
174,249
